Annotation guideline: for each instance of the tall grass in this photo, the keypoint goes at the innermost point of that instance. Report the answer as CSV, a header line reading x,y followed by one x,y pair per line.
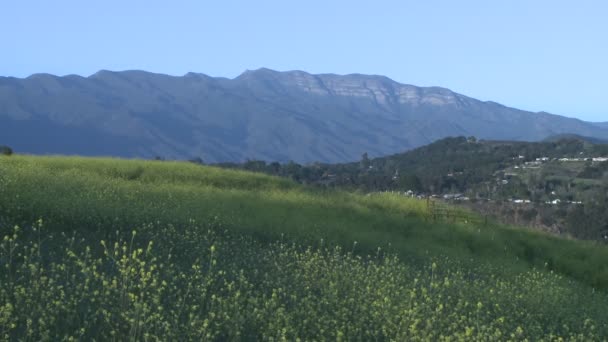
x,y
229,255
206,284
101,195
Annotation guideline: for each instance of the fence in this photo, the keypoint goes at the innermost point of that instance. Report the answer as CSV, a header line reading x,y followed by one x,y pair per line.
x,y
438,211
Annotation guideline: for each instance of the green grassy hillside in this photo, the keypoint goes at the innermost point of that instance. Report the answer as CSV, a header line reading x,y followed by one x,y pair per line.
x,y
490,174
121,249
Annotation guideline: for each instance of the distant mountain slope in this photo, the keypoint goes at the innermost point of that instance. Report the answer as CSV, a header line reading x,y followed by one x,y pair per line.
x,y
566,136
261,114
602,124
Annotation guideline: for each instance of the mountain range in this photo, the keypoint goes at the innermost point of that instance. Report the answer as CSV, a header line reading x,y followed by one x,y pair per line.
x,y
261,114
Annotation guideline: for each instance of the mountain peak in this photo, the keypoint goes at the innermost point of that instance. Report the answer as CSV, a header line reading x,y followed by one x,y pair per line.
x,y
261,114
257,72
41,75
102,73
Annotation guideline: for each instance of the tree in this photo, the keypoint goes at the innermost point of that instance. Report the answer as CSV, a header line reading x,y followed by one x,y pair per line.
x,y
197,160
255,166
365,163
274,167
293,169
410,182
5,150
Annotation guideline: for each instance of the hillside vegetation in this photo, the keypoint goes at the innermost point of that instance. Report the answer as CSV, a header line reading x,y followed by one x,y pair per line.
x,y
488,176
143,250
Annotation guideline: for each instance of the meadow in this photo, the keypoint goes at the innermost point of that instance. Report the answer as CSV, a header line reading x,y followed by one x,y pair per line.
x,y
107,249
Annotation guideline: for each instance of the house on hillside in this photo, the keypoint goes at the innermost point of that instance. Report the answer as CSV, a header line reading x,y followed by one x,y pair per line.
x,y
452,196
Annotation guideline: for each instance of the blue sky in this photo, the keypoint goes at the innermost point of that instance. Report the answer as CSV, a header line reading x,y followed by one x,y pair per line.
x,y
534,55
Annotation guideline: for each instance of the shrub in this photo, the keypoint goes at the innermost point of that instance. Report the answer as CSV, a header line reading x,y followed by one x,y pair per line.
x,y
5,150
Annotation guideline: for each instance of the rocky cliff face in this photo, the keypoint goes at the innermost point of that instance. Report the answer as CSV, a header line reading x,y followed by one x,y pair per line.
x,y
378,89
262,114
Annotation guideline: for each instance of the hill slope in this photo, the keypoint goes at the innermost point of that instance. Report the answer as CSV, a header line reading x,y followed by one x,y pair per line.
x,y
92,193
261,114
602,124
558,185
174,251
566,136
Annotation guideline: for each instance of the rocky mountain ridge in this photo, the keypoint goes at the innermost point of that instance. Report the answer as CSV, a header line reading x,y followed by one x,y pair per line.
x,y
261,114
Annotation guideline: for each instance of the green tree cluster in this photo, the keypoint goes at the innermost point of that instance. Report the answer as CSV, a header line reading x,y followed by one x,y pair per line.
x,y
5,150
